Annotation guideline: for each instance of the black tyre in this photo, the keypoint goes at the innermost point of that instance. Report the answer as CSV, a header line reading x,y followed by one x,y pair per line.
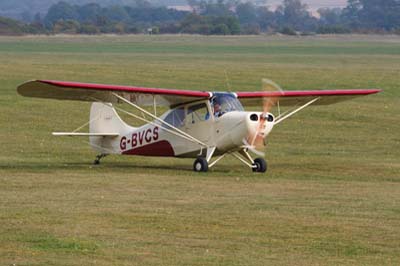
x,y
261,165
200,165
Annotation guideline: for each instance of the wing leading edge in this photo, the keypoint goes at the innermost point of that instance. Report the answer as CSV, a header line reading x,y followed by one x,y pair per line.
x,y
65,90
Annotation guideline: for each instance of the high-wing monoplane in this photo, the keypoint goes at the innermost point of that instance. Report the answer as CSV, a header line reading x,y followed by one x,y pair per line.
x,y
203,125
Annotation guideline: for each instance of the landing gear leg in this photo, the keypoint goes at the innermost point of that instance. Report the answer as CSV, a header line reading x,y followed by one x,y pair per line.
x,y
201,163
257,165
99,157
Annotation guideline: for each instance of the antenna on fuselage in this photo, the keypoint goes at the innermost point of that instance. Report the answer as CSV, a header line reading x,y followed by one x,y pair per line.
x,y
228,85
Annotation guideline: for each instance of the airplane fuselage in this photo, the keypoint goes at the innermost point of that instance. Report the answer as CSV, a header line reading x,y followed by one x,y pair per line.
x,y
187,130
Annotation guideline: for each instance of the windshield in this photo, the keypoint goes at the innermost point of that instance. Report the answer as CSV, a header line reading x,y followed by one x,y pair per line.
x,y
224,103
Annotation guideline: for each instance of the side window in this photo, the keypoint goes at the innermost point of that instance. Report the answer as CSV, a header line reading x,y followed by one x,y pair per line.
x,y
176,117
198,113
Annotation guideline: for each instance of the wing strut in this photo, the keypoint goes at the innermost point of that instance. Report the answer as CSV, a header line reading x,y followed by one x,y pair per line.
x,y
152,123
181,133
155,105
280,119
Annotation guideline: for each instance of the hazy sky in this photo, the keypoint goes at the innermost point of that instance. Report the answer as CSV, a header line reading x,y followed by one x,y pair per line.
x,y
312,4
315,4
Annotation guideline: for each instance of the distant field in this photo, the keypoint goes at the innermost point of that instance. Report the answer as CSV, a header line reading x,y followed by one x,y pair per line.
x,y
331,195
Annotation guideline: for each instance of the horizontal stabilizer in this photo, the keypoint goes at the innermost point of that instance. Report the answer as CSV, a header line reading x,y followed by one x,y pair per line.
x,y
76,134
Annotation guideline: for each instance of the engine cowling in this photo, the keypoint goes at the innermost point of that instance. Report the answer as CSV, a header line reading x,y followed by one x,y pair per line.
x,y
233,127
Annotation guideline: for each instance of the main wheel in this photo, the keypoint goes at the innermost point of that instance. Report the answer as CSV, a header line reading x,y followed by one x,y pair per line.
x,y
200,165
261,165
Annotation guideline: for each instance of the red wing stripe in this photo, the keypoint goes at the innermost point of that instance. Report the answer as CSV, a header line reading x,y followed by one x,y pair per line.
x,y
259,94
120,88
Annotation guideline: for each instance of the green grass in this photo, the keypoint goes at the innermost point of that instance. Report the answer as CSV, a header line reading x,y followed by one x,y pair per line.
x,y
331,195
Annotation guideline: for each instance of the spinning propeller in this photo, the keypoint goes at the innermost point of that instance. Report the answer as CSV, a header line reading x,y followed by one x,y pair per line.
x,y
256,140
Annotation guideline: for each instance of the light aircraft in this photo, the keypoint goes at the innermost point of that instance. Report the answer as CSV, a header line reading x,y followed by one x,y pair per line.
x,y
203,125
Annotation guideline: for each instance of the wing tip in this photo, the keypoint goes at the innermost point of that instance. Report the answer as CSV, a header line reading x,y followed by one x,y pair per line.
x,y
21,88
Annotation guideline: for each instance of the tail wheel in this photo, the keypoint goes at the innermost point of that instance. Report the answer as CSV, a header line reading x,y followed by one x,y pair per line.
x,y
200,165
260,165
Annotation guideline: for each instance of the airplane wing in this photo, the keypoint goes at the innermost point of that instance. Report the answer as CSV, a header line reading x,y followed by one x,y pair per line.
x,y
295,98
65,90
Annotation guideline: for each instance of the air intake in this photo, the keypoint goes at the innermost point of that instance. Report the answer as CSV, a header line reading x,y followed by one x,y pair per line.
x,y
254,117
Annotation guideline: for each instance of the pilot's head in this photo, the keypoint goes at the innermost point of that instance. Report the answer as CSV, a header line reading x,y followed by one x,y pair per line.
x,y
217,107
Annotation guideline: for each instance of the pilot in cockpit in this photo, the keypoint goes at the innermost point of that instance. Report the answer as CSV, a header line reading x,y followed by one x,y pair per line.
x,y
217,109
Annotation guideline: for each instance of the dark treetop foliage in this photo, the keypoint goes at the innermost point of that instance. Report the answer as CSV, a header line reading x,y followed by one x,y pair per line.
x,y
210,17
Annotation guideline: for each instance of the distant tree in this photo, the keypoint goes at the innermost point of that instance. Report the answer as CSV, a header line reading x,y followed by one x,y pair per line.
x,y
246,13
213,7
89,13
220,29
132,29
116,14
38,18
350,14
89,29
102,21
155,30
194,23
250,29
380,14
68,26
199,24
333,30
141,4
155,14
231,22
330,16
60,11
294,14
288,31
119,28
11,27
36,27
194,5
217,17
266,19
170,28
370,15
219,8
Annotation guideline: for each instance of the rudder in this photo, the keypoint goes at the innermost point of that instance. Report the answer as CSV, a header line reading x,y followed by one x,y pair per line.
x,y
104,119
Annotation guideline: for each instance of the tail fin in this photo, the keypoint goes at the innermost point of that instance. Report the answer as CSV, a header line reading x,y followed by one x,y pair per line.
x,y
105,120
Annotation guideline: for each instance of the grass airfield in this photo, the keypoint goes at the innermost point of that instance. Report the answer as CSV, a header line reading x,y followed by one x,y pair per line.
x,y
331,195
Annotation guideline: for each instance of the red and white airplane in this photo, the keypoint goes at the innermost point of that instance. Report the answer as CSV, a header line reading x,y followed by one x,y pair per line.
x,y
198,124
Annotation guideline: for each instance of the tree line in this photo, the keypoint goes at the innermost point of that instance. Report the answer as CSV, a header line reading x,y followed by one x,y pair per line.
x,y
220,17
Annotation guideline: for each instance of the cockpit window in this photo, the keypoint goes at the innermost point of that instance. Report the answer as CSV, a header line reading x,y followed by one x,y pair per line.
x,y
197,113
224,103
176,117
